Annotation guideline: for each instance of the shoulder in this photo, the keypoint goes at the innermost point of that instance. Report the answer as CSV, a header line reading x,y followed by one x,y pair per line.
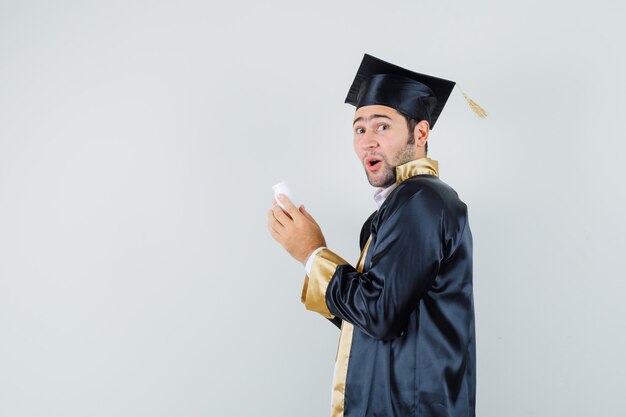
x,y
425,193
424,206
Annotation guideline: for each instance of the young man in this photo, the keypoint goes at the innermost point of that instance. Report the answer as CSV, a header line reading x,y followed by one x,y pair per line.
x,y
406,310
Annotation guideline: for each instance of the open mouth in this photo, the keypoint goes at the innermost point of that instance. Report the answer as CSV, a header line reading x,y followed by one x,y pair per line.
x,y
372,164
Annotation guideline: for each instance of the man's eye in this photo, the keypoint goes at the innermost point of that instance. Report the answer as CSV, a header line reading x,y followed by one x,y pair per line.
x,y
383,127
359,130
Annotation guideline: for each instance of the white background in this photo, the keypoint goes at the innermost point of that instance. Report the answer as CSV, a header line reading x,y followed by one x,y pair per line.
x,y
138,144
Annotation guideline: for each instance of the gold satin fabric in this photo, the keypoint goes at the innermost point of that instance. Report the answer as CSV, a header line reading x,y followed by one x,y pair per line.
x,y
314,289
422,166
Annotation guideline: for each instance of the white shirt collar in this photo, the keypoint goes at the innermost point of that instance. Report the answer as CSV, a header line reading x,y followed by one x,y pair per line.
x,y
381,194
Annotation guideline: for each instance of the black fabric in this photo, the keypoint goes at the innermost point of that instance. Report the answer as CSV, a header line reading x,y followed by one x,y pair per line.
x,y
366,230
419,96
365,234
413,346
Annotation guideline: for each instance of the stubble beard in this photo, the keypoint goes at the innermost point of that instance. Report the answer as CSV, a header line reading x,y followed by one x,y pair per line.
x,y
387,176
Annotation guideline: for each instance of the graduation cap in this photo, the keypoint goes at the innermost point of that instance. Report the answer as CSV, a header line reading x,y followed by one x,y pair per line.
x,y
419,96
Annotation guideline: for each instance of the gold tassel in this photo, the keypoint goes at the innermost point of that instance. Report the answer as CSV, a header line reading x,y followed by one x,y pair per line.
x,y
480,112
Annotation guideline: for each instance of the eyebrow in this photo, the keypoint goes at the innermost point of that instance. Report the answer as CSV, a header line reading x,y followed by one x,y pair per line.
x,y
373,116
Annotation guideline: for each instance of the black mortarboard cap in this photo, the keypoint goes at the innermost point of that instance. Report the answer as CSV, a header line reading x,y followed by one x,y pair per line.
x,y
419,96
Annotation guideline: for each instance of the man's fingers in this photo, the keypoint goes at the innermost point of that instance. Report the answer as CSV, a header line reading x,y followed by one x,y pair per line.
x,y
306,213
280,215
291,209
275,233
273,222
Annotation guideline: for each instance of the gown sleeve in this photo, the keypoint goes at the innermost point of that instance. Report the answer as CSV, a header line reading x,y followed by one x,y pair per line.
x,y
408,246
365,233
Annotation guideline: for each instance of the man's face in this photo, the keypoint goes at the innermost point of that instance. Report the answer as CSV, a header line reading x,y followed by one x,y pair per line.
x,y
382,142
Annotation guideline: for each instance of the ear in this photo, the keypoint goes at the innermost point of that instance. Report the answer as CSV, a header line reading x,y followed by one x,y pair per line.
x,y
421,133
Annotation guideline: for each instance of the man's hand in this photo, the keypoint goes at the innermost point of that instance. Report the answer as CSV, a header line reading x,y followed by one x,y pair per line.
x,y
295,229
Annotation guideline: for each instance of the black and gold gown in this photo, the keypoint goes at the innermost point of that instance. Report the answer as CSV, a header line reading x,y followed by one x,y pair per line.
x,y
406,312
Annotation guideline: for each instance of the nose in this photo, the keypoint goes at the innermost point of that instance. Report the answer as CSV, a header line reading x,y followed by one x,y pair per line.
x,y
368,140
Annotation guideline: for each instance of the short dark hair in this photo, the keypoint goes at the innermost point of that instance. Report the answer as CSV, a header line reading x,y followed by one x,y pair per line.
x,y
410,124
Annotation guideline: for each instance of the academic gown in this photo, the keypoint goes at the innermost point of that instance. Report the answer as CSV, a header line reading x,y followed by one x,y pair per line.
x,y
407,344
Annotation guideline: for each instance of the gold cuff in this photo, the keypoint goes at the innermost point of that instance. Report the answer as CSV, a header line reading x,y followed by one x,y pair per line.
x,y
314,290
